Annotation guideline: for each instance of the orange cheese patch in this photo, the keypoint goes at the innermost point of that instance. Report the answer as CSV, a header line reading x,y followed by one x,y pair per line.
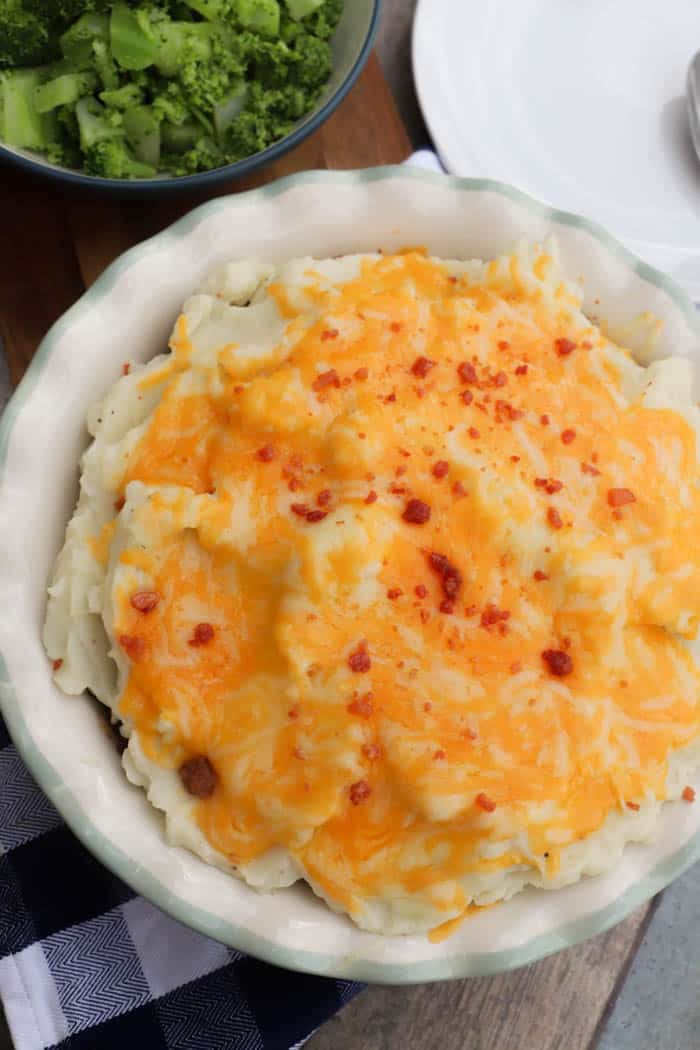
x,y
447,566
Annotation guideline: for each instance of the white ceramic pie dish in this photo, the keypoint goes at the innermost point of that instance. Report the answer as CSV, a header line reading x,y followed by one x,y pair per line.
x,y
128,313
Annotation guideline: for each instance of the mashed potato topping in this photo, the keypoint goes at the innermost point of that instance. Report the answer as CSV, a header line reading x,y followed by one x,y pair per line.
x,y
390,571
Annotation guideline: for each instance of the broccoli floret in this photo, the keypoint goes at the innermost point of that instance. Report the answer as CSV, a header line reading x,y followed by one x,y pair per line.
x,y
110,159
181,44
313,61
124,97
323,21
203,156
63,90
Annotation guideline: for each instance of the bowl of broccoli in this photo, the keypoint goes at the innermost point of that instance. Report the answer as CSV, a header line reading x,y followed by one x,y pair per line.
x,y
152,95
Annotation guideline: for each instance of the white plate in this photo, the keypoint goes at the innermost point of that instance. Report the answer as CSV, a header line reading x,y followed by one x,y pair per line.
x,y
63,739
580,103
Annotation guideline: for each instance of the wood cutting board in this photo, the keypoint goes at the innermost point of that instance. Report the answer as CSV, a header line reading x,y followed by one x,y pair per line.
x,y
54,243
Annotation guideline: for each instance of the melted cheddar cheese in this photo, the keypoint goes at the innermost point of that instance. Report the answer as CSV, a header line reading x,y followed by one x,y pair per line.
x,y
420,546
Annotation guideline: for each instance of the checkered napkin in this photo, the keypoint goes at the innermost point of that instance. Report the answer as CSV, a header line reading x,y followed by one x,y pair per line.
x,y
87,965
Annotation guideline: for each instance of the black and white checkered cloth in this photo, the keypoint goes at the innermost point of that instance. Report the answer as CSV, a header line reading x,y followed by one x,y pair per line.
x,y
87,965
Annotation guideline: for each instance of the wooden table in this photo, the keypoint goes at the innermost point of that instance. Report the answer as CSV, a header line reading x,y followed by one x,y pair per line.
x,y
633,988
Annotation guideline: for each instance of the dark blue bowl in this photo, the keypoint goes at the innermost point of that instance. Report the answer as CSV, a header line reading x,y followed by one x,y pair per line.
x,y
352,43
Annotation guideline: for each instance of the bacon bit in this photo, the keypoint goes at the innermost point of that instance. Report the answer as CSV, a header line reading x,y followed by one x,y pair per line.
x,y
544,420
473,433
390,397
467,397
688,793
362,706
503,345
315,516
420,591
500,379
198,776
558,662
550,485
329,378
126,368
447,607
329,333
371,751
568,436
452,279
57,664
515,459
620,497
421,366
144,601
459,489
521,370
416,512
539,575
564,346
300,509
359,660
294,485
492,615
554,518
293,713
361,374
427,706
395,326
359,792
203,634
324,497
266,453
393,593
440,468
119,504
133,646
450,575
238,389
467,372
632,805
439,755
370,497
484,802
515,667
586,468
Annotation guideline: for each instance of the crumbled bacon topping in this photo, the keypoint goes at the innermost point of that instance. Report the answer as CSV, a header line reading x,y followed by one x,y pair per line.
x,y
550,485
441,468
554,518
484,802
689,793
467,372
421,590
57,664
568,435
492,615
198,776
393,593
421,366
620,497
326,379
564,346
359,792
467,397
133,646
558,662
144,601
329,333
266,453
416,512
359,660
202,634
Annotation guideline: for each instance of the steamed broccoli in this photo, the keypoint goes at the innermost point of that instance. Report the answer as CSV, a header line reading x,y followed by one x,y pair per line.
x,y
129,87
110,159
